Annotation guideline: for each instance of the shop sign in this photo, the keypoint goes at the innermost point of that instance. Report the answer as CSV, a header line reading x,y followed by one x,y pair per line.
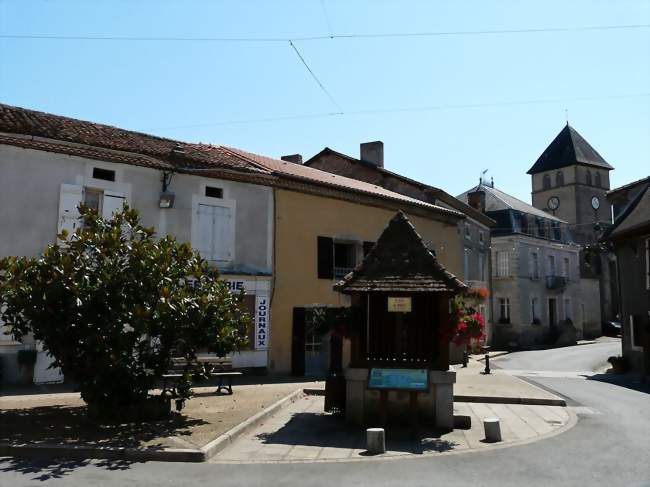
x,y
261,322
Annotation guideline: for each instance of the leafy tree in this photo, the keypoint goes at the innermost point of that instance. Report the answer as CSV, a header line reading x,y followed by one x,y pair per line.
x,y
113,305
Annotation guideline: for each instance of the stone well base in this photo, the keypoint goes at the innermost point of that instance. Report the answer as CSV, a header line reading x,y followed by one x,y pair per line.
x,y
435,406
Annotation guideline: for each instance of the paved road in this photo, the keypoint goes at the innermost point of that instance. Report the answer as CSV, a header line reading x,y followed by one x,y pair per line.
x,y
608,447
581,358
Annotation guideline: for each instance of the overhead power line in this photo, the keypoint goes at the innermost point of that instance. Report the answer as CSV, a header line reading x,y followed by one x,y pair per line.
x,y
423,108
315,77
377,35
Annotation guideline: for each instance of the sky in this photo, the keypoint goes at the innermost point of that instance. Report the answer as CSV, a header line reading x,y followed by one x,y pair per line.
x,y
446,106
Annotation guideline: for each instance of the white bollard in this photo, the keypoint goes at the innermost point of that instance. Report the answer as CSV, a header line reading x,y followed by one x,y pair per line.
x,y
376,440
492,429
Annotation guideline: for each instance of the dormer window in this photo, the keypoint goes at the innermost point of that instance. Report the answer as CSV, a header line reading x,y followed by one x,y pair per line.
x,y
546,182
559,178
588,178
598,180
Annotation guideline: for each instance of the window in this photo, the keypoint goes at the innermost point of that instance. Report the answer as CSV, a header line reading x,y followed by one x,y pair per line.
x,y
481,237
556,233
215,232
599,182
502,264
559,178
466,263
647,263
504,310
105,174
345,259
635,333
534,311
481,266
213,192
568,309
534,265
551,265
468,234
546,182
105,202
588,178
566,268
92,198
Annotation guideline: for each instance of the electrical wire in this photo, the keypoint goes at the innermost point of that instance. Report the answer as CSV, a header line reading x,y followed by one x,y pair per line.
x,y
377,35
342,113
313,75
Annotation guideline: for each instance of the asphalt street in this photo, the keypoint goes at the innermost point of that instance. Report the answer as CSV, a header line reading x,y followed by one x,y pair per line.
x,y
610,446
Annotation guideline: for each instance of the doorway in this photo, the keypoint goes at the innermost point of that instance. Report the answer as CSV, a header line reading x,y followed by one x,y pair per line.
x,y
552,312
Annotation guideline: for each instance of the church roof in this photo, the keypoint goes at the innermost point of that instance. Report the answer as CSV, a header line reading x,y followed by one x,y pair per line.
x,y
400,262
567,149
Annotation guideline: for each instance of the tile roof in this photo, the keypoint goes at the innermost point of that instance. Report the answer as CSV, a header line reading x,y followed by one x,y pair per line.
x,y
438,193
97,141
635,217
308,174
400,262
568,148
136,148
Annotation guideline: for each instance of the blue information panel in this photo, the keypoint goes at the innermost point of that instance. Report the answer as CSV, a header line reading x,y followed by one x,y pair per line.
x,y
404,379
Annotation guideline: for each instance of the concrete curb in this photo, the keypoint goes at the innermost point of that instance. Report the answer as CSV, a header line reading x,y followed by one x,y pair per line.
x,y
81,452
219,443
530,401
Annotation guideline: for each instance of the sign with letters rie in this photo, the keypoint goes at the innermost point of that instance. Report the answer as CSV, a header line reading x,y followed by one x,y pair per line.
x,y
401,379
399,304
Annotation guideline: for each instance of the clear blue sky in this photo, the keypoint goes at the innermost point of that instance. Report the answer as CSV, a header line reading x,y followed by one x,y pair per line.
x,y
154,86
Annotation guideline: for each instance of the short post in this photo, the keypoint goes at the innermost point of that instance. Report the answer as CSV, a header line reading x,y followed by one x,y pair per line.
x,y
465,358
376,439
487,364
492,429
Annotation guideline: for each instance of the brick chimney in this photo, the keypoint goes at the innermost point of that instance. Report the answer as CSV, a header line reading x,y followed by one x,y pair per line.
x,y
295,158
476,199
373,152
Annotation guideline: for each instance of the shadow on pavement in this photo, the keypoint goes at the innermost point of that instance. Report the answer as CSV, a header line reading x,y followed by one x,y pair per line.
x,y
323,430
628,381
45,469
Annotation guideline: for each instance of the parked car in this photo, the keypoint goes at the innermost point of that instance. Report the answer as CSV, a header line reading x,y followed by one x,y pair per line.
x,y
611,328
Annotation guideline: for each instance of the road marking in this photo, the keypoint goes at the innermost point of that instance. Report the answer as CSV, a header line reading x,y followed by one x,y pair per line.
x,y
585,411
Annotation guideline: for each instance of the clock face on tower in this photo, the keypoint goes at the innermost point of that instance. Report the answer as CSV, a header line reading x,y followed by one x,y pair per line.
x,y
595,203
553,203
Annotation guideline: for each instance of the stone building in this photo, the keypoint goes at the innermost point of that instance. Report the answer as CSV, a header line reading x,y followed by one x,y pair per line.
x,y
538,297
630,238
570,180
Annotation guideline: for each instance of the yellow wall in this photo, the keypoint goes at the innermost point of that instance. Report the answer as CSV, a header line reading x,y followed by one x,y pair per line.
x,y
300,219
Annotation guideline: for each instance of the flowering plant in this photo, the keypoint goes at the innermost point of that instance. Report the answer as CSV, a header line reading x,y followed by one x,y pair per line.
x,y
480,293
466,324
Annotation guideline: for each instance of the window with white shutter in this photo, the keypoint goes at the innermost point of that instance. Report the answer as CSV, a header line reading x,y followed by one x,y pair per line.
x,y
215,232
112,203
70,197
534,265
502,264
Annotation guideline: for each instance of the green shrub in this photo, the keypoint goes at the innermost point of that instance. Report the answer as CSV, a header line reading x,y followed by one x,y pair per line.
x,y
114,304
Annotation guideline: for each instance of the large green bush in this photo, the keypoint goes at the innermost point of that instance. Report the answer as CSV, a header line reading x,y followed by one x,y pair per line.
x,y
114,304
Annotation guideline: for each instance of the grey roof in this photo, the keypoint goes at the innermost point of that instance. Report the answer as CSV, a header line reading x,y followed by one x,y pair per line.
x,y
567,149
634,218
496,200
400,262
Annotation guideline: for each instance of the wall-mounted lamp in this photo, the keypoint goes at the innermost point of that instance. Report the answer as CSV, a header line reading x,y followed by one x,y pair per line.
x,y
166,197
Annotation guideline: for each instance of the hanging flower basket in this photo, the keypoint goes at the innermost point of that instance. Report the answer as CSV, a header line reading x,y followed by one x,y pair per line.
x,y
479,293
466,324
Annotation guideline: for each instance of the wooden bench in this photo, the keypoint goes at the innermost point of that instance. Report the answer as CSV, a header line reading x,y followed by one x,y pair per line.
x,y
220,367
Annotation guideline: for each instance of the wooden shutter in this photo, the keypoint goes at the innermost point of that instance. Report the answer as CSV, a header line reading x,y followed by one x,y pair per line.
x,y
298,342
222,233
367,247
325,258
69,199
205,232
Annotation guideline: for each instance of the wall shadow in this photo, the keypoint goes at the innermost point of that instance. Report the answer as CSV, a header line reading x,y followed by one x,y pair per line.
x,y
629,381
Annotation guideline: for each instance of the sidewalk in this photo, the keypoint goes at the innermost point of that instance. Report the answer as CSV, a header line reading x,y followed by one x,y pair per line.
x,y
498,387
302,433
